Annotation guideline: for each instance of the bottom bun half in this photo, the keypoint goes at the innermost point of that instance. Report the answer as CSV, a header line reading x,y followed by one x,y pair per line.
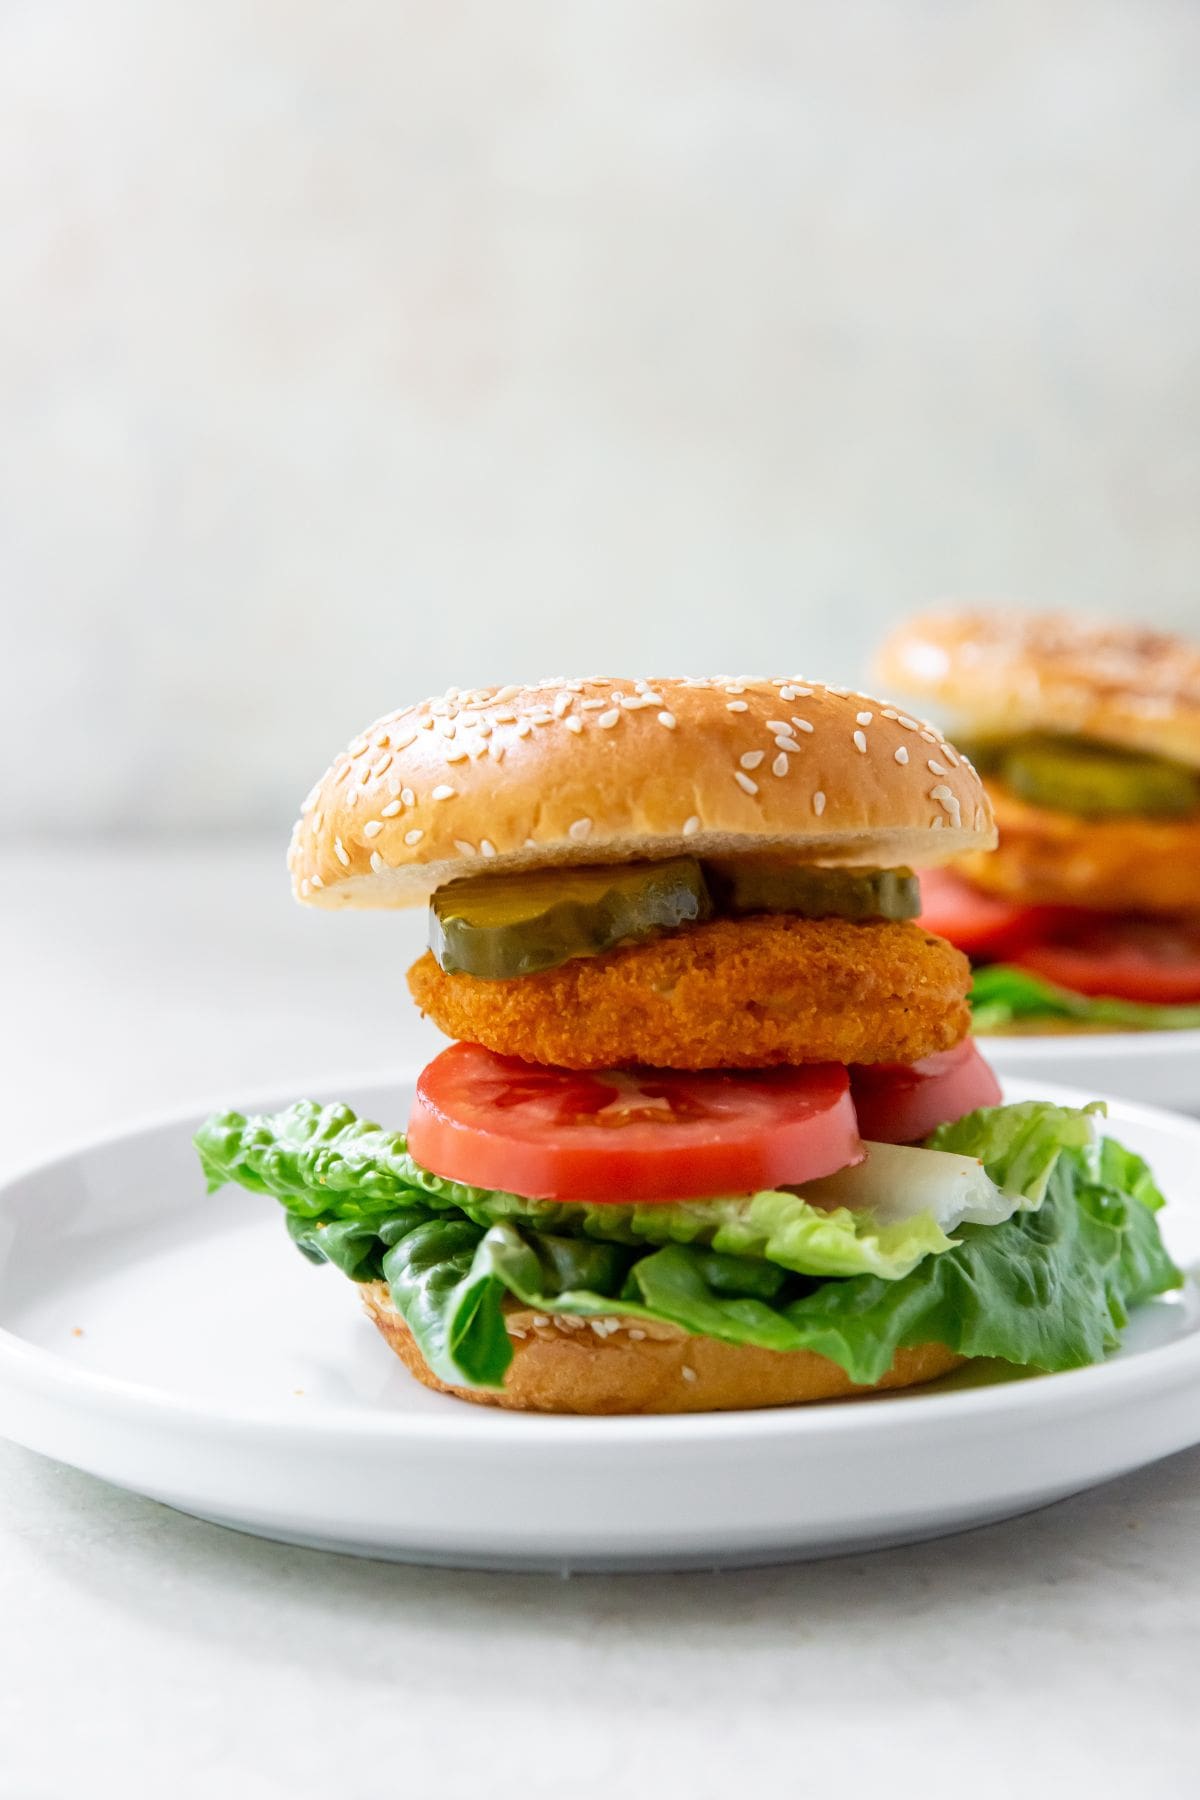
x,y
617,1365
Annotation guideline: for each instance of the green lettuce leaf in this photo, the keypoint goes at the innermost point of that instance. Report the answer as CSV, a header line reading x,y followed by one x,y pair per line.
x,y
325,1162
1051,1287
1002,996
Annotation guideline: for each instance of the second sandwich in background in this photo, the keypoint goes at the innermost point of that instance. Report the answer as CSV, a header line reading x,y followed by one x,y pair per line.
x,y
1087,917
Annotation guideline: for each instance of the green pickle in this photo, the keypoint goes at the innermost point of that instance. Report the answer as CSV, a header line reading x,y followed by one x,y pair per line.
x,y
753,884
503,926
1094,781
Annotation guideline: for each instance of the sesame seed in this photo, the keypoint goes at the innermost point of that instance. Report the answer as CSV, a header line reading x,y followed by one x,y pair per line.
x,y
506,718
523,728
472,724
688,1374
889,712
364,773
540,1319
463,848
574,687
562,703
949,755
390,810
803,724
531,843
752,759
403,743
486,847
736,706
426,723
447,727
691,826
780,765
413,837
786,692
608,719
579,829
339,850
860,741
377,863
802,693
457,756
442,791
316,821
305,887
408,797
318,883
382,766
777,724
593,705
352,794
901,754
497,751
930,737
948,800
667,719
936,768
818,803
908,724
864,718
635,702
745,783
574,724
789,744
358,746
635,1334
372,828
735,687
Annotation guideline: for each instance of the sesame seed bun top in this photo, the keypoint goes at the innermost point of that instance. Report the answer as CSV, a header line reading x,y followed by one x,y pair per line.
x,y
607,770
1004,672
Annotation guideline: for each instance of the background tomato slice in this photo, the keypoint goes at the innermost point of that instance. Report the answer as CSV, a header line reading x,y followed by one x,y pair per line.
x,y
623,1136
901,1103
1122,959
976,922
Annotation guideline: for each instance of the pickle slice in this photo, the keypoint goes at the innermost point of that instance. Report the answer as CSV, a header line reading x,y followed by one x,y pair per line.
x,y
1094,781
760,884
502,926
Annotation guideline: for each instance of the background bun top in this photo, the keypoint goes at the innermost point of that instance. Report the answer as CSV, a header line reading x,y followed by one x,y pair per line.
x,y
1003,672
606,769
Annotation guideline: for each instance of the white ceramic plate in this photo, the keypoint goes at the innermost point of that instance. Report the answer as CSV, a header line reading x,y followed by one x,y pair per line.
x,y
1161,1068
179,1346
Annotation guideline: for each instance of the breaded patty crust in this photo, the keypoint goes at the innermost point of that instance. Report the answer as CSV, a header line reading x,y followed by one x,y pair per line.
x,y
747,993
1125,864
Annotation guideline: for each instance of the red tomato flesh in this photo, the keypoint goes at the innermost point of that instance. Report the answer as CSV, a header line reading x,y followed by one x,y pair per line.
x,y
901,1103
976,922
629,1135
1155,961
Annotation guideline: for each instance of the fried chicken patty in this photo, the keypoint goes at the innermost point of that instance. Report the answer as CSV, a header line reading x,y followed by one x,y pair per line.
x,y
1125,864
734,993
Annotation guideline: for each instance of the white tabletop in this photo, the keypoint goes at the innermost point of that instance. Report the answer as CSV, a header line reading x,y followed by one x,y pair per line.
x,y
144,1653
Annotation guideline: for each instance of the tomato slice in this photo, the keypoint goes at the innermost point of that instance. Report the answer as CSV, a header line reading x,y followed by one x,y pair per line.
x,y
622,1136
900,1103
976,922
1157,961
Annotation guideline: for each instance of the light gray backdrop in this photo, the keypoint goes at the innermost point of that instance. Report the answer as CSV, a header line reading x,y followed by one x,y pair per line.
x,y
350,350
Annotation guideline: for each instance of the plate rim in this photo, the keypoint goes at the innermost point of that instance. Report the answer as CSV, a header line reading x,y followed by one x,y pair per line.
x,y
1092,1046
53,1377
